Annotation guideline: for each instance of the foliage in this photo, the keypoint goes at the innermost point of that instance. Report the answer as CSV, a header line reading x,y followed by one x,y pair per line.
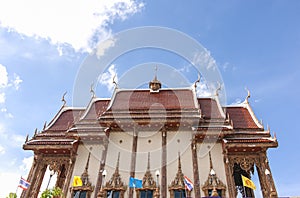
x,y
12,195
52,193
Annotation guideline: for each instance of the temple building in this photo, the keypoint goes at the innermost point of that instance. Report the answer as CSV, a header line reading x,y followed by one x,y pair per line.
x,y
154,142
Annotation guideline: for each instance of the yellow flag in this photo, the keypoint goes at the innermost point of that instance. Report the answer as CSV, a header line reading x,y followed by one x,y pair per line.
x,y
248,183
77,181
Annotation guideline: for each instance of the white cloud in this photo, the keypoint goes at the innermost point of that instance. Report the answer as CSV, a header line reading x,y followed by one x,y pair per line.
x,y
17,81
17,140
202,90
9,183
3,77
228,67
107,78
2,97
205,60
6,82
237,101
102,47
79,23
12,178
2,150
26,164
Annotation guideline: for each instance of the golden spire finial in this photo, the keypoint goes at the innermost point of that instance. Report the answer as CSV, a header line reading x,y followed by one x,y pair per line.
x,y
155,84
118,163
179,162
87,162
85,175
148,165
63,99
210,161
212,171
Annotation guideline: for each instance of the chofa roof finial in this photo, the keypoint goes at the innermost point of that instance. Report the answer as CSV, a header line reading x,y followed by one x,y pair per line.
x,y
218,88
92,90
63,99
248,95
197,81
115,82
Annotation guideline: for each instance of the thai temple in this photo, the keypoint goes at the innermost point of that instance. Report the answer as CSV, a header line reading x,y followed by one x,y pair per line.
x,y
153,142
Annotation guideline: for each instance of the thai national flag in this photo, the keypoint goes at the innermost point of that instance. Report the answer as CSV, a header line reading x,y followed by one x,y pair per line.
x,y
188,183
24,184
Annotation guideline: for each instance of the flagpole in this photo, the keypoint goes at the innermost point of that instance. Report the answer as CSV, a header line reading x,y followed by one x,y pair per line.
x,y
17,190
18,185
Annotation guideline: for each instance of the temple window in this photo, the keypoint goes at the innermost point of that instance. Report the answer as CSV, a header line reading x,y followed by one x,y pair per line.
x,y
180,193
82,187
149,187
177,188
146,193
113,194
213,186
115,187
79,194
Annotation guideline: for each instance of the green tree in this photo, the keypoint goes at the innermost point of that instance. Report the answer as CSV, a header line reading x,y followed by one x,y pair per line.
x,y
12,195
55,192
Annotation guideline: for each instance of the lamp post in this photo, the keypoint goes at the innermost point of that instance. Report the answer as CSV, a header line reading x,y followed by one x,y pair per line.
x,y
267,173
157,173
52,172
101,192
104,173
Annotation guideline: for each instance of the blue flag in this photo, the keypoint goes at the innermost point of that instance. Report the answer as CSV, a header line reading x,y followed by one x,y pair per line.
x,y
135,183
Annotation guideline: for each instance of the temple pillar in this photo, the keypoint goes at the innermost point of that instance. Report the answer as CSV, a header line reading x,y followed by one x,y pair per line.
x,y
164,164
195,170
98,191
228,162
68,178
30,175
133,159
265,177
35,177
37,181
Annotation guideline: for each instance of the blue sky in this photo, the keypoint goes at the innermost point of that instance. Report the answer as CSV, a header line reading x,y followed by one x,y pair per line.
x,y
255,44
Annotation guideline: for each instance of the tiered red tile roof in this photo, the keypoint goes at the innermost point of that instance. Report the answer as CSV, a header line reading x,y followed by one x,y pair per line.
x,y
178,104
144,99
241,118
